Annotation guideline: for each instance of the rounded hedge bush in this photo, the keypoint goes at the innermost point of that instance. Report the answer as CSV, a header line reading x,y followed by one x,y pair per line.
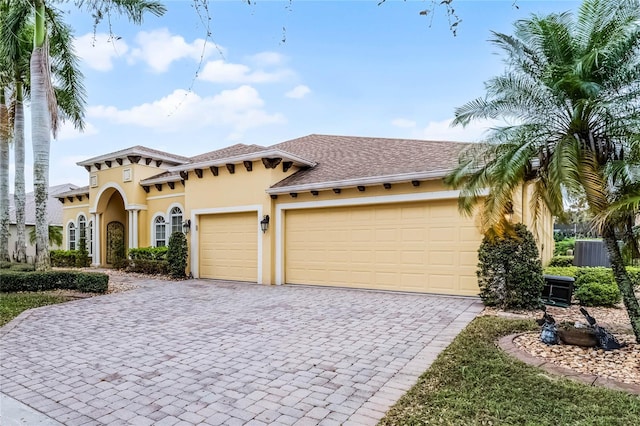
x,y
510,270
597,294
177,255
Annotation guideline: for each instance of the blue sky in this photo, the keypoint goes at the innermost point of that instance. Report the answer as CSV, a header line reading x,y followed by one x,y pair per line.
x,y
344,67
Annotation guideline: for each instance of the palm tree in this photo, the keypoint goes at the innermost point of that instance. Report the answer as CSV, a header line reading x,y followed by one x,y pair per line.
x,y
4,175
55,235
16,35
43,112
571,91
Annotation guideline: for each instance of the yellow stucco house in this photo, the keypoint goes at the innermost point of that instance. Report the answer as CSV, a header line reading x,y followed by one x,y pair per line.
x,y
326,210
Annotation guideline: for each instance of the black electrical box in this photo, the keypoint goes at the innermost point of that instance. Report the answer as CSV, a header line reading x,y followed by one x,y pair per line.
x,y
557,290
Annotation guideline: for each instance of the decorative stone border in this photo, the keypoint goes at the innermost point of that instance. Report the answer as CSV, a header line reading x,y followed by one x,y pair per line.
x,y
507,345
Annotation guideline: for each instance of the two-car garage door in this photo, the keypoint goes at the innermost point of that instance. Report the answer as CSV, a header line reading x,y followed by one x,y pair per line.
x,y
425,247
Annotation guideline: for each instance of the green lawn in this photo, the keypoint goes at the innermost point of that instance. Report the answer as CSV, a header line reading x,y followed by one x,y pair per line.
x,y
474,383
12,304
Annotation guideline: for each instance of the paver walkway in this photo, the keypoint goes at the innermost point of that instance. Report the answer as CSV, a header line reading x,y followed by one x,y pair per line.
x,y
207,352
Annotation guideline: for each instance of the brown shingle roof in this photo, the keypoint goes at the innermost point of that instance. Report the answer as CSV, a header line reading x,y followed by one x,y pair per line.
x,y
344,158
230,151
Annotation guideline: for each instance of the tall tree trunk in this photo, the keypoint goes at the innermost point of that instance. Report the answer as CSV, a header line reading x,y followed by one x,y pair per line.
x,y
622,279
41,136
19,193
4,178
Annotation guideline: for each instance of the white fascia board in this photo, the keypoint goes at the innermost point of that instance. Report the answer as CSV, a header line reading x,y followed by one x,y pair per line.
x,y
165,179
348,183
270,153
124,153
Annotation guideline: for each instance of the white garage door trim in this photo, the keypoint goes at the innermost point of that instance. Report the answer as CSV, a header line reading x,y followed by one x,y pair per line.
x,y
342,202
195,257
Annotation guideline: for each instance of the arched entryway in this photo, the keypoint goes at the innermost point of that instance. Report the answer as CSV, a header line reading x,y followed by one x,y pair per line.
x,y
112,227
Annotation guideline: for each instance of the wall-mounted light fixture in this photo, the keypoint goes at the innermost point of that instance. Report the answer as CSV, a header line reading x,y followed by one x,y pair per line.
x,y
186,226
264,223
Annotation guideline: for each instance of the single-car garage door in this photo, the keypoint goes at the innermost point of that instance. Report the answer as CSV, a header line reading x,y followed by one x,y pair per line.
x,y
228,246
424,247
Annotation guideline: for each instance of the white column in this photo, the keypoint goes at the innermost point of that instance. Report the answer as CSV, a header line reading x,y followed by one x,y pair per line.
x,y
130,227
97,228
135,214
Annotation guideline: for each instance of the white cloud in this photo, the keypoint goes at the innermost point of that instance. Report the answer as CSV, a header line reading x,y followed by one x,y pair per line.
x,y
98,51
159,48
298,92
264,59
404,123
67,131
239,109
219,71
442,130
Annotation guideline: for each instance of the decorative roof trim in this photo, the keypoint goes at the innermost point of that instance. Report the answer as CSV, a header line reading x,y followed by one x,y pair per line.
x,y
348,183
131,151
163,179
252,156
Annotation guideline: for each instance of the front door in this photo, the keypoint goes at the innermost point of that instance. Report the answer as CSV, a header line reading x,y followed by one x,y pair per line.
x,y
115,242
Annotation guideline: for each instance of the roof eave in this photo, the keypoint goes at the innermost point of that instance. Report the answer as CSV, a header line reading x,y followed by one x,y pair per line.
x,y
165,179
253,156
366,181
126,152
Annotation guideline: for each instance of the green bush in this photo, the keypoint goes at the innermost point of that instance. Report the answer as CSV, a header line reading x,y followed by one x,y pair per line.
x,y
12,281
82,254
634,275
63,258
5,265
177,255
152,267
92,282
561,261
563,245
566,271
148,253
510,271
596,294
597,275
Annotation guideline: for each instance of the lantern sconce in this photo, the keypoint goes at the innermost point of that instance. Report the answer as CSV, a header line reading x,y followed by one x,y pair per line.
x,y
186,226
264,223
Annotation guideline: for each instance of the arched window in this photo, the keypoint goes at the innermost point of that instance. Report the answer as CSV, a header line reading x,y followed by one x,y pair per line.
x,y
90,239
159,232
82,229
176,220
72,236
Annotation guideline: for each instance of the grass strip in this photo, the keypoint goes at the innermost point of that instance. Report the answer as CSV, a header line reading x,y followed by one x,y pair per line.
x,y
473,382
12,304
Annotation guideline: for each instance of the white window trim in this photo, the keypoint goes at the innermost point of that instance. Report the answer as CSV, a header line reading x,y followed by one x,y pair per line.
x,y
195,214
340,202
153,229
167,217
68,234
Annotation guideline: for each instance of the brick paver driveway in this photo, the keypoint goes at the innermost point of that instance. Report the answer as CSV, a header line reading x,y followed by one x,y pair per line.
x,y
206,352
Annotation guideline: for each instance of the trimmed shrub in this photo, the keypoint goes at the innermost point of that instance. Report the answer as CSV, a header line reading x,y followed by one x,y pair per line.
x,y
5,265
12,281
594,275
510,271
634,274
63,258
596,294
148,253
567,271
92,282
562,246
177,255
561,261
152,267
